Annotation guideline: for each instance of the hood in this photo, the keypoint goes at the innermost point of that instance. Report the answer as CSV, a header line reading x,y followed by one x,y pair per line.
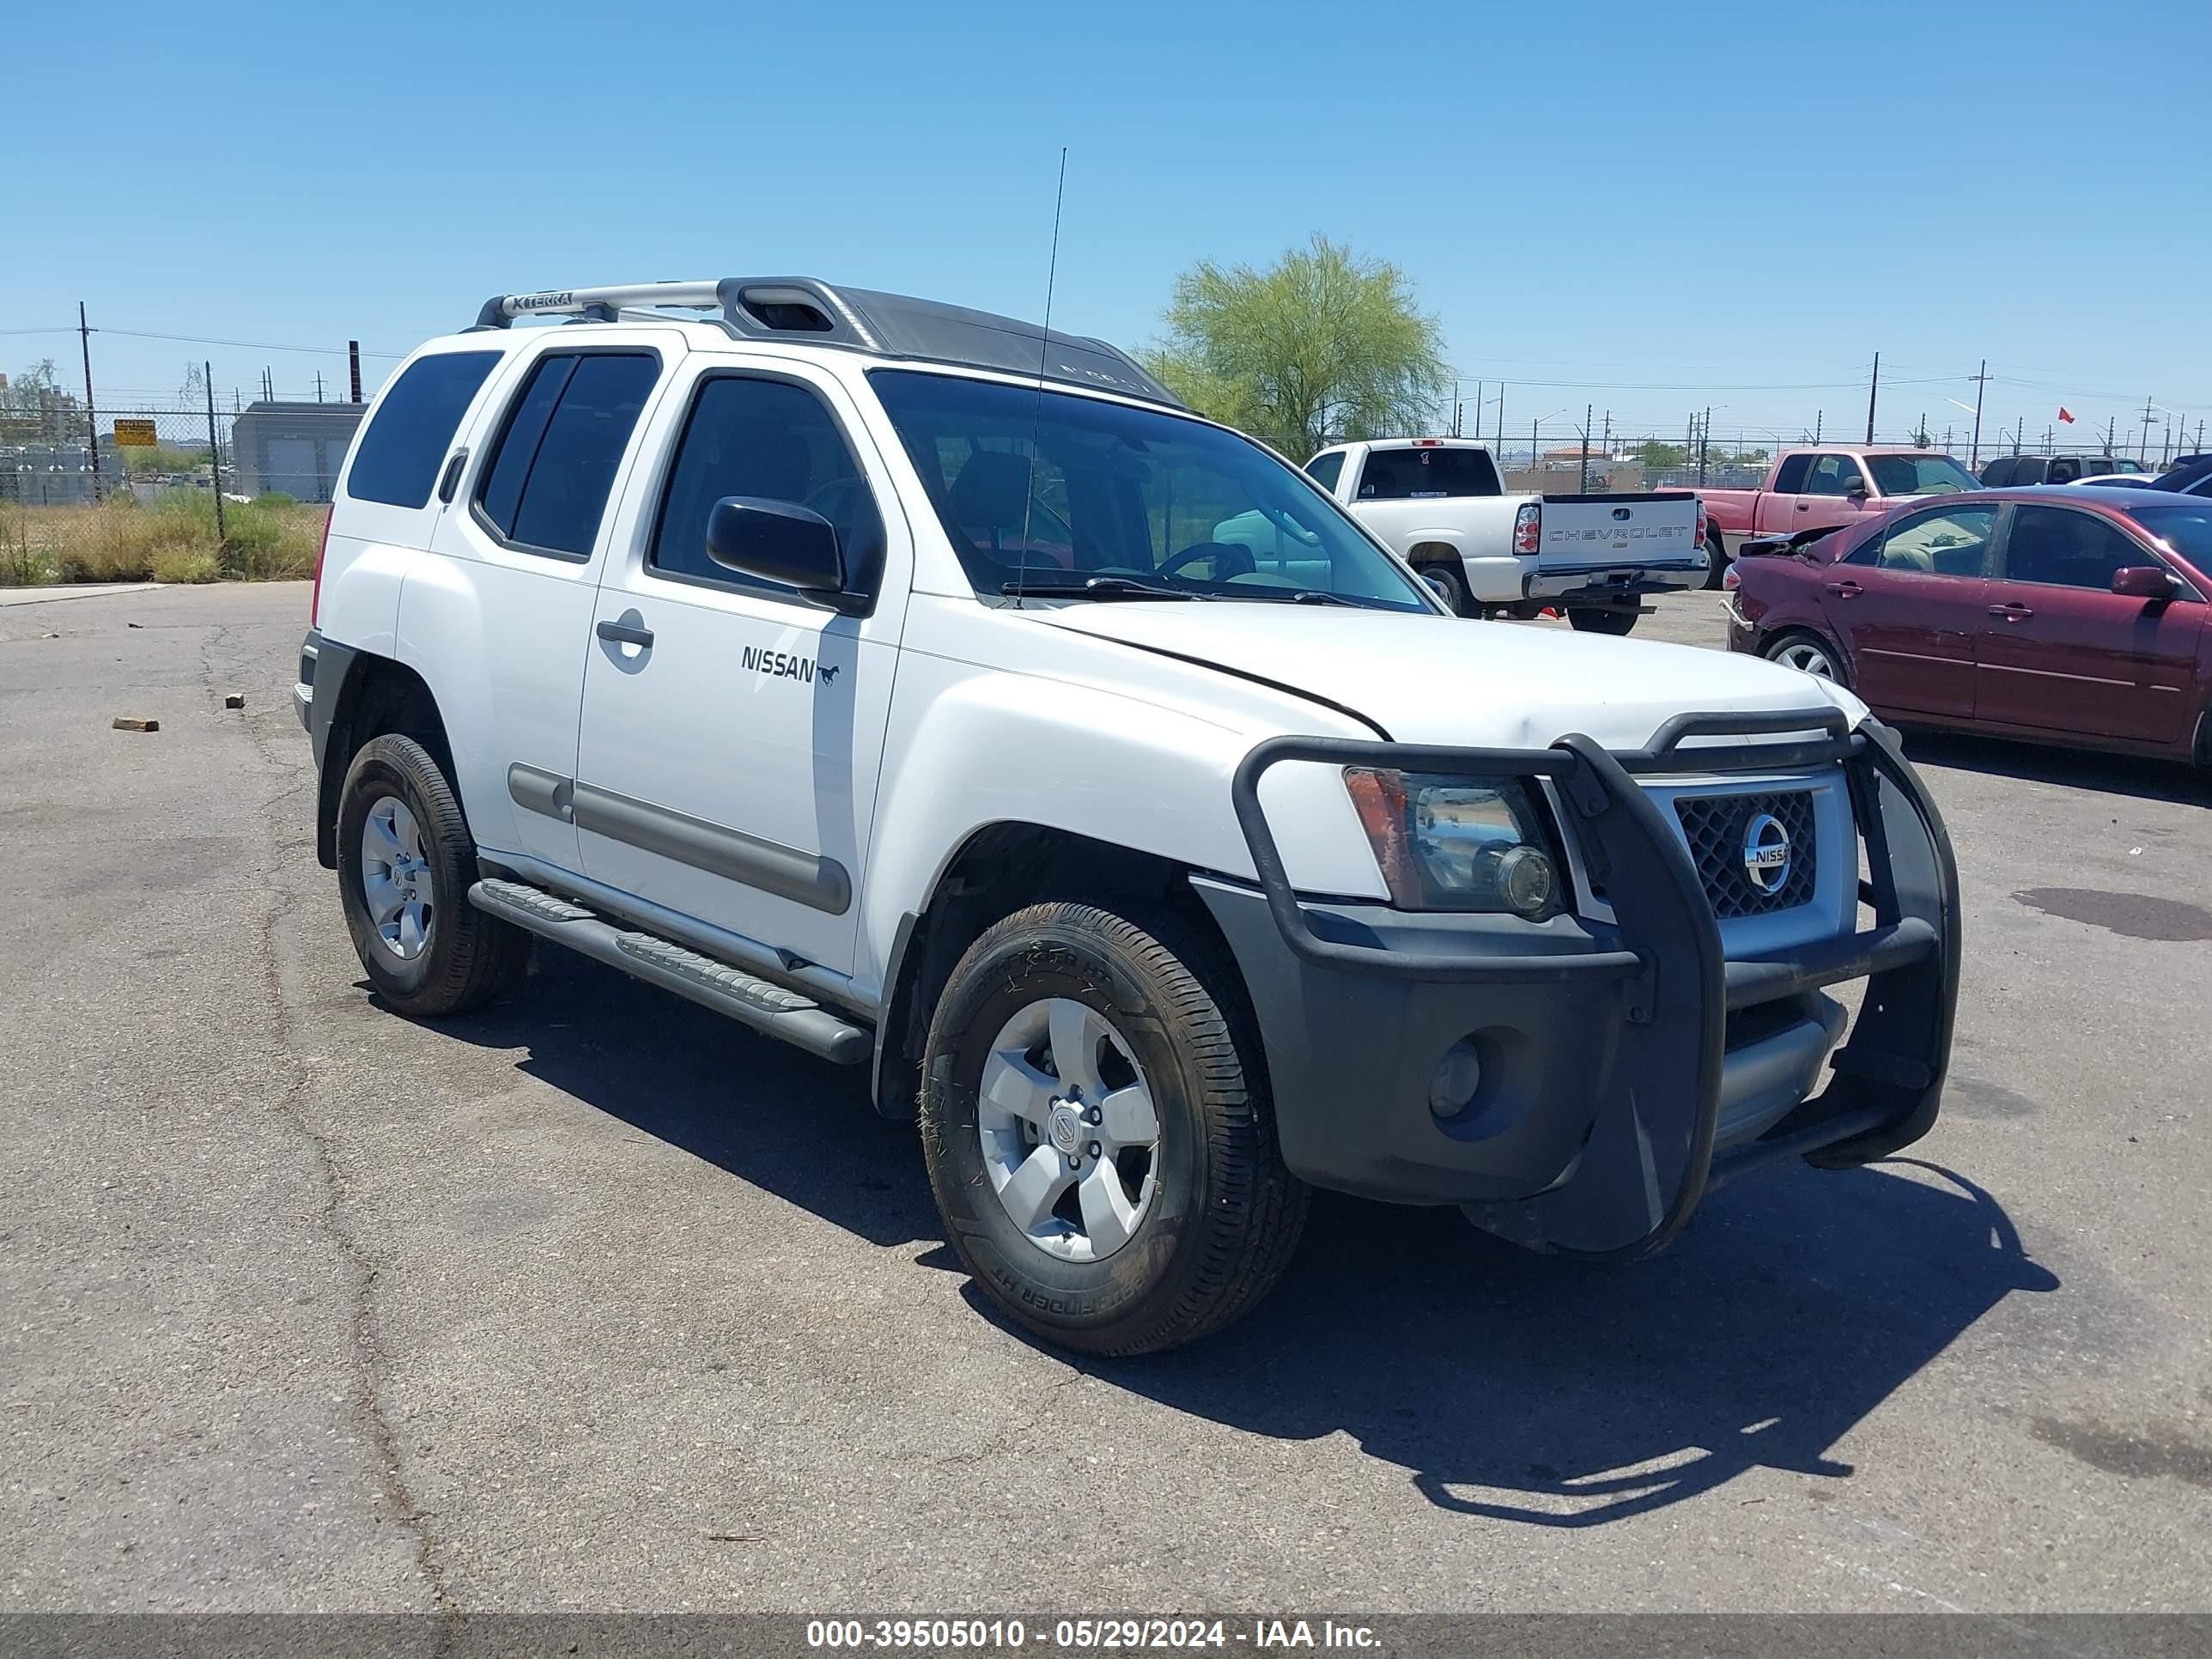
x,y
1444,680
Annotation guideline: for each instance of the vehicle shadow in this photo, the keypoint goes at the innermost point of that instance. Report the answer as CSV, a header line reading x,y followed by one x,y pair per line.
x,y
2074,769
757,1108
1510,1385
1535,1389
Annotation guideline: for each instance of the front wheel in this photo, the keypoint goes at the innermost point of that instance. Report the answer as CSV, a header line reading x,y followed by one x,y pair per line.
x,y
1600,619
1096,1121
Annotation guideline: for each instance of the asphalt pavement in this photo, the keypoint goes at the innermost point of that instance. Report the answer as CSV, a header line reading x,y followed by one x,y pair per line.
x,y
595,1300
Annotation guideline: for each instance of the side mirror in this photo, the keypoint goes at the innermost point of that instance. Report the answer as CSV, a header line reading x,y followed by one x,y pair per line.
x,y
1858,492
779,542
2143,581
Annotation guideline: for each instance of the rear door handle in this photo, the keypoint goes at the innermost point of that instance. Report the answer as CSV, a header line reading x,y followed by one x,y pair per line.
x,y
453,478
622,633
1804,507
2011,610
1845,590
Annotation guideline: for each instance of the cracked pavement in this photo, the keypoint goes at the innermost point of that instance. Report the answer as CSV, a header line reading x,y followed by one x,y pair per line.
x,y
594,1301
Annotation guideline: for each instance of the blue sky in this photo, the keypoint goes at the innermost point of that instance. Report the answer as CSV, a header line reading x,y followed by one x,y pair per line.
x,y
1649,208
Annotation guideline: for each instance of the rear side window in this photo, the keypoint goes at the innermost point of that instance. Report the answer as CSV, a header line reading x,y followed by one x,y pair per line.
x,y
1323,469
1413,475
1790,480
397,460
550,477
1998,473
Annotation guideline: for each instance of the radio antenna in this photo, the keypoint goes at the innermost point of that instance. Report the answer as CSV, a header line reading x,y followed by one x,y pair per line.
x,y
1044,351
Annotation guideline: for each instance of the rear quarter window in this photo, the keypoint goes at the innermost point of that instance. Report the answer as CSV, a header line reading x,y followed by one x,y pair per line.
x,y
396,462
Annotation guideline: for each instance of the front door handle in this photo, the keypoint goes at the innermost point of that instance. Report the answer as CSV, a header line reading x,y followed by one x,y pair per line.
x,y
626,633
1845,589
1804,507
2011,610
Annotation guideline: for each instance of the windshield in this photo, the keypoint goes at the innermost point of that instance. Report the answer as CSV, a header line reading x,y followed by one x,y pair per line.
x,y
1124,502
1919,474
2185,530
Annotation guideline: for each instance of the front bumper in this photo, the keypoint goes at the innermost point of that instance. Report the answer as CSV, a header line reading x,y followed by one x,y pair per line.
x,y
1625,1068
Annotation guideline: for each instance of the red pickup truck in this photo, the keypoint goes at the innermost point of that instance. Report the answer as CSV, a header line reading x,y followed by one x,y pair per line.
x,y
1814,488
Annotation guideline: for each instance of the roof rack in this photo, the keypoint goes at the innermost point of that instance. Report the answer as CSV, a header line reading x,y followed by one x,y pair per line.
x,y
858,319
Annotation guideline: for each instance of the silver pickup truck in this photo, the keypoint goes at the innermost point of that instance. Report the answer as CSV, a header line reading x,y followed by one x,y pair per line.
x,y
1439,503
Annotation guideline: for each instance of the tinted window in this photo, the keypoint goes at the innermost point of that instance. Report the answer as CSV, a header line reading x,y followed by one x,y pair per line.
x,y
1833,475
1323,469
1413,475
397,460
1053,490
774,441
2063,549
1950,542
2065,469
1997,474
548,484
1790,480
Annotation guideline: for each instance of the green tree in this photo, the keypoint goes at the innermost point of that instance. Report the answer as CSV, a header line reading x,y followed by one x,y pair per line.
x,y
1320,346
1656,454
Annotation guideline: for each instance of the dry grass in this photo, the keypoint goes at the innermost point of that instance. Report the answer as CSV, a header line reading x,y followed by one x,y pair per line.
x,y
173,539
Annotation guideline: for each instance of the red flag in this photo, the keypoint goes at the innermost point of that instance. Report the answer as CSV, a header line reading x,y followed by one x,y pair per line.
x,y
2066,414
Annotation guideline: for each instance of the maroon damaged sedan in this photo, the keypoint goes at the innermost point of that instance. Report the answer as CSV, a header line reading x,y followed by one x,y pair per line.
x,y
2075,616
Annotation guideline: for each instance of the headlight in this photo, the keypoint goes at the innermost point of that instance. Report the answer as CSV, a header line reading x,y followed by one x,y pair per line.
x,y
1448,844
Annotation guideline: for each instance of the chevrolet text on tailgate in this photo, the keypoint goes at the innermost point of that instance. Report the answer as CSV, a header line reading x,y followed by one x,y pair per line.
x,y
1093,782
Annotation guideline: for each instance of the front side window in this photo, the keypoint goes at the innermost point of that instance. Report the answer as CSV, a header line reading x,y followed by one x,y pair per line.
x,y
1426,474
1953,542
2187,530
1833,475
546,488
2061,547
397,460
771,441
1071,497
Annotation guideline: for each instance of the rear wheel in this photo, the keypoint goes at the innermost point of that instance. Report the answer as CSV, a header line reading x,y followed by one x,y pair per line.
x,y
1447,585
1716,561
1600,619
1097,1126
406,861
1807,652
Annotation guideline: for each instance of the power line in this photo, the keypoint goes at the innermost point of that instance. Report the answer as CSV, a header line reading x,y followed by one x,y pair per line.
x,y
200,339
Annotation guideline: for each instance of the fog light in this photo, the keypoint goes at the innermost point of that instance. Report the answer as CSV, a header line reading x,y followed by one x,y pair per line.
x,y
1457,1076
1524,880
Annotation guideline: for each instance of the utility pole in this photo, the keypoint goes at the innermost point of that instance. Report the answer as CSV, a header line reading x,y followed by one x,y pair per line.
x,y
2019,432
1704,437
1818,416
1981,381
2142,450
2111,430
91,421
1587,411
318,385
1873,386
214,451
1605,449
353,365
1501,426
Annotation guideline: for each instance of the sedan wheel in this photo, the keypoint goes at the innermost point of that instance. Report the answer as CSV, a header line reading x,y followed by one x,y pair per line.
x,y
1807,656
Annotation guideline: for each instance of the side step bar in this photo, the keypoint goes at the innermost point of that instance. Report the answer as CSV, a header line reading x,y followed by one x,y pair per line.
x,y
767,1008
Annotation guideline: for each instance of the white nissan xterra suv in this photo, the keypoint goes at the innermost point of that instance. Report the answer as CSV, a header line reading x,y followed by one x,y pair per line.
x,y
873,672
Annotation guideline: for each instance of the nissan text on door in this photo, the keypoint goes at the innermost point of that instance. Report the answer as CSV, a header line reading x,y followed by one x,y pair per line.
x,y
875,673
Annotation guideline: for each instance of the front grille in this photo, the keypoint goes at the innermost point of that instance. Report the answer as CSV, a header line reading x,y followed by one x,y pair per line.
x,y
1715,827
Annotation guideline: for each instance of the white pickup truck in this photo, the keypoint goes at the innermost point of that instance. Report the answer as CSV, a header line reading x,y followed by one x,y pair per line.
x,y
1438,503
871,672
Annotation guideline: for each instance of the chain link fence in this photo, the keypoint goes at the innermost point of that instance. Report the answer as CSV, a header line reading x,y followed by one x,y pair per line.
x,y
169,494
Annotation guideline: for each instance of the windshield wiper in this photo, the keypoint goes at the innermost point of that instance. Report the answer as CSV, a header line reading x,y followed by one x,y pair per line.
x,y
1096,588
1302,596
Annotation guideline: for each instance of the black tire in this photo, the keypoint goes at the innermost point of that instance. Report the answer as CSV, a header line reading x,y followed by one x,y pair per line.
x,y
1717,561
467,957
1799,640
1224,1214
1600,619
1447,585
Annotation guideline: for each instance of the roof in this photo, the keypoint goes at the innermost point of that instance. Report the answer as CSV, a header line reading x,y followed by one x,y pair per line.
x,y
806,311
